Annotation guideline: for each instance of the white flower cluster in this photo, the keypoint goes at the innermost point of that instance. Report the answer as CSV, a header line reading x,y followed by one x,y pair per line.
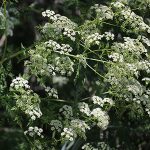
x,y
96,37
52,92
101,102
101,117
118,5
69,33
64,65
116,57
63,23
88,146
78,124
19,82
32,131
51,69
84,108
100,146
56,125
135,21
141,95
109,36
49,13
144,65
53,45
133,45
130,45
33,112
51,30
135,89
66,111
63,48
60,65
93,39
130,51
62,20
27,100
144,40
66,48
68,134
132,68
39,61
103,12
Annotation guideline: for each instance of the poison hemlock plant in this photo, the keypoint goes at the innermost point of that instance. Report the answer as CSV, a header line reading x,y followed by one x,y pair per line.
x,y
84,72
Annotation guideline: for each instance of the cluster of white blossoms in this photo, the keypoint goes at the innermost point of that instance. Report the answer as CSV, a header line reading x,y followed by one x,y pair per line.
x,y
84,108
130,45
88,146
62,20
52,92
144,40
27,100
124,75
100,146
101,117
103,12
98,116
136,22
49,13
32,131
141,95
19,82
64,65
132,68
63,48
56,125
66,48
101,102
39,61
116,57
118,5
144,65
59,65
68,134
96,38
65,25
66,111
128,56
109,36
34,112
69,33
51,70
136,89
53,45
79,125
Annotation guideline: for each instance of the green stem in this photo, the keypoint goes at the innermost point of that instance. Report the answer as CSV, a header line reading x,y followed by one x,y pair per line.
x,y
99,50
97,60
11,56
77,57
95,71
